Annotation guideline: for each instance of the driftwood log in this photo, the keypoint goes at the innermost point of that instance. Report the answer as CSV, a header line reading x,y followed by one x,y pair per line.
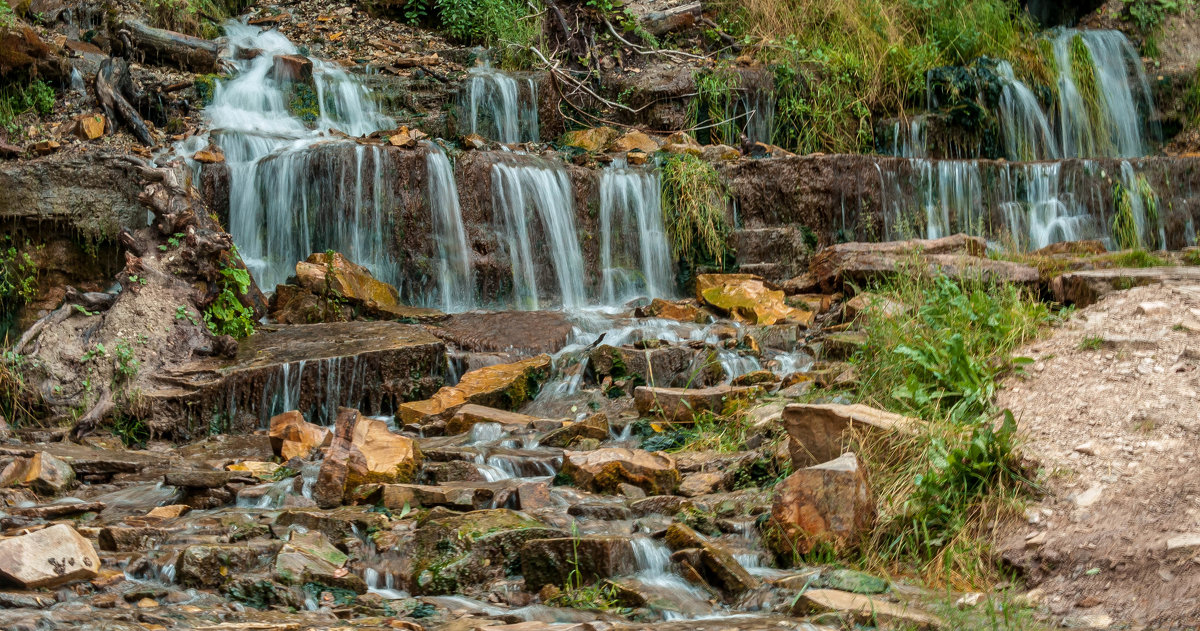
x,y
116,107
163,47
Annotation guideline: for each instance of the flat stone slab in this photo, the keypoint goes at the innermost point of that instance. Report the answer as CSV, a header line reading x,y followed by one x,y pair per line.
x,y
314,368
524,332
1086,287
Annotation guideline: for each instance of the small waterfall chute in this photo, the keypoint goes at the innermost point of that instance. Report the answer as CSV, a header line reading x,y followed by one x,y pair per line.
x,y
631,204
497,105
456,281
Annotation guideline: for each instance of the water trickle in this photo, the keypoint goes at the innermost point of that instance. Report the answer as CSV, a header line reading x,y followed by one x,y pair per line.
x,y
1122,93
631,204
909,141
494,106
456,280
486,433
653,561
294,188
524,196
1027,133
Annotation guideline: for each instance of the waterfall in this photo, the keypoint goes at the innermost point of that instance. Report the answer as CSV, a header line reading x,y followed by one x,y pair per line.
x,y
631,203
1027,134
525,194
491,105
1038,208
758,107
1114,125
909,141
456,280
294,188
953,197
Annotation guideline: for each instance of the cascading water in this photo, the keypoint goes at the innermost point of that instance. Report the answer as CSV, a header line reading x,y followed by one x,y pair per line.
x,y
456,280
524,195
631,203
1107,115
1027,133
294,189
492,105
1040,209
909,141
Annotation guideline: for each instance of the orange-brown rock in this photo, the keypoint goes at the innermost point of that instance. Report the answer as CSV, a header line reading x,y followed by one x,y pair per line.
x,y
604,470
293,437
211,155
592,140
748,298
827,504
635,140
468,415
681,311
90,126
363,451
820,433
42,472
503,386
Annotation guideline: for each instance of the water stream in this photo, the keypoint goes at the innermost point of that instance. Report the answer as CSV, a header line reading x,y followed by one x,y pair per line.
x,y
631,204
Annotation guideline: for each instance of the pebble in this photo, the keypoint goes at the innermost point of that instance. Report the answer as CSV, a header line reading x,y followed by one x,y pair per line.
x,y
1086,449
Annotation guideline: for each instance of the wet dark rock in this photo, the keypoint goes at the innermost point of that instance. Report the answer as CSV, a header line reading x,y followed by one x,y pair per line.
x,y
716,565
464,496
203,479
54,511
603,512
453,471
666,366
476,548
660,505
682,404
527,333
594,426
551,561
334,524
132,538
211,565
311,558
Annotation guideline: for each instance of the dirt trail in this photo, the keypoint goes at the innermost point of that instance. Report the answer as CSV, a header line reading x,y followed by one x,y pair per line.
x,y
1111,415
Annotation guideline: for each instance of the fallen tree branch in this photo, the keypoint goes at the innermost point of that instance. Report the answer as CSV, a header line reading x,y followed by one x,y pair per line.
x,y
559,74
91,420
671,54
116,107
157,45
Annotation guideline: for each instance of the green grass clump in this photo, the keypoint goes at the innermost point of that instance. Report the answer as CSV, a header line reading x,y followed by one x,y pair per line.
x,y
848,61
17,98
201,18
942,364
1083,69
694,200
18,283
7,18
1136,258
512,27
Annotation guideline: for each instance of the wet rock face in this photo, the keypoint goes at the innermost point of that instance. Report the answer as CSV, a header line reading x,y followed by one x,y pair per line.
x,y
520,332
682,404
48,557
665,366
604,470
827,504
552,561
379,364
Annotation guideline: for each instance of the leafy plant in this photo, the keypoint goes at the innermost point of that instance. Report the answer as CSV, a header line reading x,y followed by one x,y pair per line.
x,y
97,351
227,315
7,17
511,26
1149,14
183,313
193,17
132,431
125,363
1091,343
18,283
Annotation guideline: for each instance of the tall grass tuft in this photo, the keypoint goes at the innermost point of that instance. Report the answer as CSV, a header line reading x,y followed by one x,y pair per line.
x,y
694,202
941,362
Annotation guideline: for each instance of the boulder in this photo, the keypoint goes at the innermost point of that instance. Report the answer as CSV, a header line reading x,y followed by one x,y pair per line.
x,y
682,404
463,496
828,504
503,386
820,433
435,473
260,470
592,140
199,479
292,68
468,415
695,484
293,437
42,472
594,426
840,345
132,539
747,299
1086,287
209,565
47,558
363,451
656,364
553,561
334,524
603,470
309,557
864,609
717,566
454,553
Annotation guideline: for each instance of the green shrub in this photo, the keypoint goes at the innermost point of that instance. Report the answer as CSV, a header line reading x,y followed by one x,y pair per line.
x,y
7,18
18,283
201,18
227,315
510,26
18,98
960,468
1149,14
